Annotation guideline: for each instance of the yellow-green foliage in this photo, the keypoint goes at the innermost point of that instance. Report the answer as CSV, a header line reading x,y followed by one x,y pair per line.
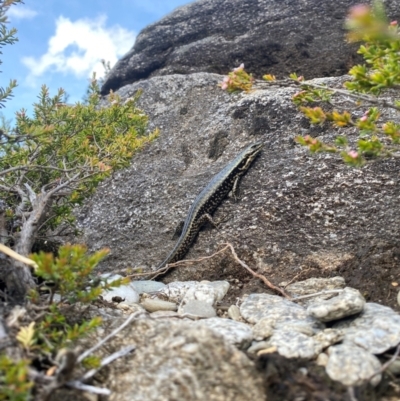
x,y
381,71
70,276
60,323
14,381
80,144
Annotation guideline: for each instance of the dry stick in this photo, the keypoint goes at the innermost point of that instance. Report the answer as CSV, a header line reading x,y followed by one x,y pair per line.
x,y
107,360
9,252
316,294
181,263
227,246
259,276
386,364
296,276
105,339
351,393
86,387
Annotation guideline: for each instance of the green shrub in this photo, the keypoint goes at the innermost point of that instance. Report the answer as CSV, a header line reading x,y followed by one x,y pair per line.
x,y
381,71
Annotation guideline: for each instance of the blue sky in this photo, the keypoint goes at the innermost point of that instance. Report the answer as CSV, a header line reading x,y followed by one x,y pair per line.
x,y
61,42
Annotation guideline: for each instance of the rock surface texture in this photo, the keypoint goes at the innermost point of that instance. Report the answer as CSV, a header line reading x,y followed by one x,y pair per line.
x,y
179,361
298,214
181,356
269,36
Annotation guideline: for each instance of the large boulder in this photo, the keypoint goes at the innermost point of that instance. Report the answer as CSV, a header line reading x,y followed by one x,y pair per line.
x,y
299,214
274,36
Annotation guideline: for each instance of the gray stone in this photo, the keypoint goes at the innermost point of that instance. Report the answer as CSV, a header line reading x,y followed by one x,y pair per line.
x,y
147,286
236,333
376,329
312,286
176,360
328,337
299,326
206,292
220,288
176,290
198,308
352,365
263,328
347,303
277,309
184,291
130,308
295,345
155,304
269,36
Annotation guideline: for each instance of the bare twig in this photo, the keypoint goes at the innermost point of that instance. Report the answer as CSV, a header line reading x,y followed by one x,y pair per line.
x,y
259,276
227,246
86,387
177,315
31,193
317,294
296,277
386,364
9,252
181,263
35,166
351,393
106,361
105,339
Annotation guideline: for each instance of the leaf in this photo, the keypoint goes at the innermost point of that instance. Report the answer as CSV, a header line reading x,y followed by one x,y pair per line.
x,y
26,334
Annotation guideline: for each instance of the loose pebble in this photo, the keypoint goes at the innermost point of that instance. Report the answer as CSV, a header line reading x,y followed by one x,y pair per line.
x,y
126,293
258,346
295,345
234,313
153,305
198,308
352,365
347,303
237,333
328,337
274,324
376,329
263,329
322,359
209,292
279,310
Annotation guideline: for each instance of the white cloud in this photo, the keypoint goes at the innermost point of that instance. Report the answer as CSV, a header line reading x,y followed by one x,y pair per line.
x,y
78,48
20,12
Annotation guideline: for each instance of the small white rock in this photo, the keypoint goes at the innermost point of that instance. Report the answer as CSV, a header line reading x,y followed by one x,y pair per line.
x,y
153,305
234,313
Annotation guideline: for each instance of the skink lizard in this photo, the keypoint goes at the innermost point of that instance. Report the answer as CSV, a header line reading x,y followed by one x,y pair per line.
x,y
209,199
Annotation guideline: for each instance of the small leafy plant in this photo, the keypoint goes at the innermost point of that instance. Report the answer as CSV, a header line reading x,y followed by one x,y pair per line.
x,y
378,137
56,314
70,285
15,384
